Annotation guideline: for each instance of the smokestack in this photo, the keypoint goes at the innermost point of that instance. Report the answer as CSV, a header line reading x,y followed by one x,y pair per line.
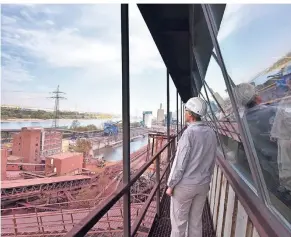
x,y
161,106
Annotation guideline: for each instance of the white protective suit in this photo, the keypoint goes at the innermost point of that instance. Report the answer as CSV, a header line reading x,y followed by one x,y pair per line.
x,y
190,177
281,130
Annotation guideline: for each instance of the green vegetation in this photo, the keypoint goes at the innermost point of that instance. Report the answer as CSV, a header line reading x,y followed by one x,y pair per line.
x,y
17,113
83,146
77,127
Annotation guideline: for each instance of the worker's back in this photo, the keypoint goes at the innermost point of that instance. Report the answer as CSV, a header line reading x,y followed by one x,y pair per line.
x,y
260,120
202,154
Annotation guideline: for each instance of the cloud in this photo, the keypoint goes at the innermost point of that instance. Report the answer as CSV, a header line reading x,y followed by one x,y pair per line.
x,y
237,16
231,20
85,39
70,47
14,70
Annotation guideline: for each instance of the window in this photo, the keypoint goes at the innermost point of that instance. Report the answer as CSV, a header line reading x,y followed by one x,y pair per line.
x,y
52,161
220,117
258,52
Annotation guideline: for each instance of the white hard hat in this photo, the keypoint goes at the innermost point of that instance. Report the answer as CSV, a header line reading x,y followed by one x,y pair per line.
x,y
245,93
197,106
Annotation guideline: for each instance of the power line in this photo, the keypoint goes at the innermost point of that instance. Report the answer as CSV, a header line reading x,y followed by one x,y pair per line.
x,y
57,96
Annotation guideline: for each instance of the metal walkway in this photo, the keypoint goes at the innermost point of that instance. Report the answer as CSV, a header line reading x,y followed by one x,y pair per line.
x,y
162,226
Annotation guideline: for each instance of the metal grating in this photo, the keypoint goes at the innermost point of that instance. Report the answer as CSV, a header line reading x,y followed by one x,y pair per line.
x,y
162,226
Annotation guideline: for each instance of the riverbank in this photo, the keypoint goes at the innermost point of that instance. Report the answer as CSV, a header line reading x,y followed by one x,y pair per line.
x,y
41,120
21,120
107,177
48,123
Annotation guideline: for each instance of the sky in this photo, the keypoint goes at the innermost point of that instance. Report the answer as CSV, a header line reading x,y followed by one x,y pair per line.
x,y
251,37
78,48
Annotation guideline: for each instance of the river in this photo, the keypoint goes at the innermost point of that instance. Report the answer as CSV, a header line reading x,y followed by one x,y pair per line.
x,y
62,122
109,153
115,153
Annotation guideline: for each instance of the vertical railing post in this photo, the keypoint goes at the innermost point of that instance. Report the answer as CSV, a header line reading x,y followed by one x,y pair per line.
x,y
153,144
125,117
168,112
177,114
158,182
184,115
168,121
181,112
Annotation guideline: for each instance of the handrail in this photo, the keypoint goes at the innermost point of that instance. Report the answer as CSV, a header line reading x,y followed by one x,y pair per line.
x,y
143,211
95,215
262,218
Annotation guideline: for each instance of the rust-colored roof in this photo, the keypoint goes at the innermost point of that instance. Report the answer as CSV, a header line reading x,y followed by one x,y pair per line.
x,y
29,182
65,155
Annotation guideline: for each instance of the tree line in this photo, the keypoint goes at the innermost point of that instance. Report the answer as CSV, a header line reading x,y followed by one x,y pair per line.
x,y
17,113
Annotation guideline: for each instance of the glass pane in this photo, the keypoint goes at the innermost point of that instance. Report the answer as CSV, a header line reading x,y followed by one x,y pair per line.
x,y
227,126
256,46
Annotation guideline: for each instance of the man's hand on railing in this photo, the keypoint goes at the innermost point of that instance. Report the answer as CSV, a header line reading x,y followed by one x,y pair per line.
x,y
169,192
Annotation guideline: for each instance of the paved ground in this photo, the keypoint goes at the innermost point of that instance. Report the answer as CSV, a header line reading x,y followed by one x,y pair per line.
x,y
162,226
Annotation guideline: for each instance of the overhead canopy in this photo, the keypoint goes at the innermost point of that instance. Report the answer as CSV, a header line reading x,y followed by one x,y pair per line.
x,y
169,25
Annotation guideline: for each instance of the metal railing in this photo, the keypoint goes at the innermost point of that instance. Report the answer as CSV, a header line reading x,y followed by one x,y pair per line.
x,y
85,225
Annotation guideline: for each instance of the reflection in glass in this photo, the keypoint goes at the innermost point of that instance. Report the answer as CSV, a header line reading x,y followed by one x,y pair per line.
x,y
255,44
225,120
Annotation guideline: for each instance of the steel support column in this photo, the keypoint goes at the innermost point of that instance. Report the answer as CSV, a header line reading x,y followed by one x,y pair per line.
x,y
184,122
125,117
177,113
181,112
252,159
168,111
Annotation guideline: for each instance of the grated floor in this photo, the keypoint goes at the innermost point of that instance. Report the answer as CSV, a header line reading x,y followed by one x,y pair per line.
x,y
162,226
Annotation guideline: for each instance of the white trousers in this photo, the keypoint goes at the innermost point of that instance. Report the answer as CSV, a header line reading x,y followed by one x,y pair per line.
x,y
284,163
187,205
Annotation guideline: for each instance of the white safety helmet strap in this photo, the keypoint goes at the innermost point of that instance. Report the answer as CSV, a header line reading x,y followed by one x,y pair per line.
x,y
197,106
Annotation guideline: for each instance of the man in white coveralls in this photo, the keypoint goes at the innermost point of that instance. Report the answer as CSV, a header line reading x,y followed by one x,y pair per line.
x,y
188,183
281,131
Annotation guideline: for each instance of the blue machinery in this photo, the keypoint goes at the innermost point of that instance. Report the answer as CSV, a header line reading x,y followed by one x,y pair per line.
x,y
111,128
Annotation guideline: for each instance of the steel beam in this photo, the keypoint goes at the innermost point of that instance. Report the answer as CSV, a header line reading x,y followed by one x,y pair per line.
x,y
177,112
181,112
168,111
125,117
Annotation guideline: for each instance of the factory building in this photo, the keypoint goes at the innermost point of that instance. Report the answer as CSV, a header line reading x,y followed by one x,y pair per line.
x,y
67,163
33,144
147,118
160,114
170,117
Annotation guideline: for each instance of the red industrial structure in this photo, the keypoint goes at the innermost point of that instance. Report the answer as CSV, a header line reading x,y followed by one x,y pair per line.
x,y
4,154
19,189
51,142
67,163
33,144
